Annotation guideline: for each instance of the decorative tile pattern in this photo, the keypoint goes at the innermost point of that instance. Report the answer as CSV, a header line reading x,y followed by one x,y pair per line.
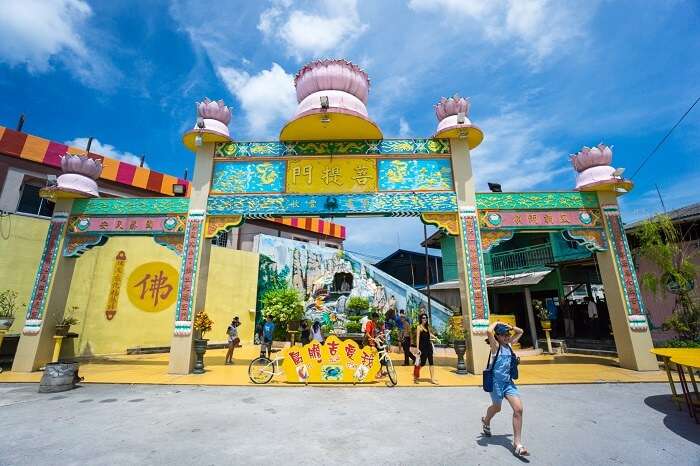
x,y
131,206
473,258
593,239
383,147
248,177
131,225
172,242
625,268
217,224
448,223
521,201
44,276
538,219
492,238
415,174
375,203
188,274
76,245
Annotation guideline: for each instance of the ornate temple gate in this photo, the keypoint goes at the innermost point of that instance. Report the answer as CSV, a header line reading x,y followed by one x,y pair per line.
x,y
332,161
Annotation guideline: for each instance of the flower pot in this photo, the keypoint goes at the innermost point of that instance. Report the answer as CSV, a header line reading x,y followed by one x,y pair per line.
x,y
62,330
460,347
200,347
546,324
6,322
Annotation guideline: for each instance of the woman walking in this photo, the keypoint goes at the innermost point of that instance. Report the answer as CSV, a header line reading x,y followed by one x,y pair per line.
x,y
233,339
406,341
424,337
502,362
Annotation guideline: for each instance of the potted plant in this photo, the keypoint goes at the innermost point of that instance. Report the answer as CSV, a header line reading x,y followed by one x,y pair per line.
x,y
542,313
66,321
202,325
8,307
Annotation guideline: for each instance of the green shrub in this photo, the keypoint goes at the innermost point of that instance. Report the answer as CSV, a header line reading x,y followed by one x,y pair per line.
x,y
8,304
284,305
353,327
678,343
354,318
357,304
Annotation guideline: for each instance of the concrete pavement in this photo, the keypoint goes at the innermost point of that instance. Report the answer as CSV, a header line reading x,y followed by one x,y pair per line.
x,y
147,424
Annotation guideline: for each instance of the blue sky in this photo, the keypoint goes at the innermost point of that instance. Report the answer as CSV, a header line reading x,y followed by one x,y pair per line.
x,y
544,78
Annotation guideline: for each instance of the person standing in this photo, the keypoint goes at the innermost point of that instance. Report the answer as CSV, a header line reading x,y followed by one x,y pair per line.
x,y
371,329
405,336
267,334
501,363
305,334
425,337
316,333
233,339
593,317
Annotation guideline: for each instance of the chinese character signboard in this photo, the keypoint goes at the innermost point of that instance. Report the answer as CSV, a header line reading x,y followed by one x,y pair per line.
x,y
115,287
336,361
152,286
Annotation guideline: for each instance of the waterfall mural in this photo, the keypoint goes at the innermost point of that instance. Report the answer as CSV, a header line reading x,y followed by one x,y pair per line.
x,y
328,277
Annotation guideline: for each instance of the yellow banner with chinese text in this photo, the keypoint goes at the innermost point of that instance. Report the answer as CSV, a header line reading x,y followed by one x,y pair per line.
x,y
335,361
331,175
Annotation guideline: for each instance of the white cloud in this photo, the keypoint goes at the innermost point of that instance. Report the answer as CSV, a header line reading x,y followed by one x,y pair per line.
x,y
404,128
512,155
330,27
37,34
538,27
107,150
267,98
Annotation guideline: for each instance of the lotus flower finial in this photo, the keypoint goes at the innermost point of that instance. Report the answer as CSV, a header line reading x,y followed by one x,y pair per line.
x,y
451,106
81,165
587,157
214,110
332,74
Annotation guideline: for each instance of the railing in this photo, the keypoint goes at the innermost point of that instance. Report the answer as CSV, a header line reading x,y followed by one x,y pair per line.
x,y
522,258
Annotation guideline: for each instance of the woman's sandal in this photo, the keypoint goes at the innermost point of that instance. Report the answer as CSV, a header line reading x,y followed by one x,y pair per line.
x,y
485,428
520,450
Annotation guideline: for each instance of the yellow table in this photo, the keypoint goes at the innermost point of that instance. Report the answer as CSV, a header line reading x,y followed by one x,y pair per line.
x,y
666,354
691,362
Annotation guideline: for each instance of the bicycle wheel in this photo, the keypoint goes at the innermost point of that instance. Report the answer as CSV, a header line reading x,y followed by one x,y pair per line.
x,y
260,370
391,371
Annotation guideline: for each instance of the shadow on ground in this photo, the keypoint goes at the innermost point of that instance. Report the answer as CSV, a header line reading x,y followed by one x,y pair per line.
x,y
503,440
677,421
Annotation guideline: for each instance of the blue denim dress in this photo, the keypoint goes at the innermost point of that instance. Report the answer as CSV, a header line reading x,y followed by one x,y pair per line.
x,y
502,383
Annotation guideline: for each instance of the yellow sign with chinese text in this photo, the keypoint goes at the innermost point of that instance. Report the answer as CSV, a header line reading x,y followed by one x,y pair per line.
x,y
152,286
331,175
334,361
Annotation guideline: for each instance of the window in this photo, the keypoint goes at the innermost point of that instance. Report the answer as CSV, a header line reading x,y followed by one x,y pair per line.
x,y
221,239
296,238
31,203
332,245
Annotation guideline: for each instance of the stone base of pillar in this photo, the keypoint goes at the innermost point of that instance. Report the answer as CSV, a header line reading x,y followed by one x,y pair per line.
x,y
181,355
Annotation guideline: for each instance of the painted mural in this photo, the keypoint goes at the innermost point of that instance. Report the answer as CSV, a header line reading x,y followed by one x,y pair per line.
x,y
248,177
415,174
328,277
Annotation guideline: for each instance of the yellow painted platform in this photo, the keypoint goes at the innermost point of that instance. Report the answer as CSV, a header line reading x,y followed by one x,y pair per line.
x,y
153,369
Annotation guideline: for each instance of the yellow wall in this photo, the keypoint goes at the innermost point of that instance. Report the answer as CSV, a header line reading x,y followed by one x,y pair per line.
x,y
21,243
232,290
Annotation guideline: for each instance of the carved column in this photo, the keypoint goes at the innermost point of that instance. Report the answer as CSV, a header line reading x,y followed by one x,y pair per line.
x,y
472,275
627,314
49,295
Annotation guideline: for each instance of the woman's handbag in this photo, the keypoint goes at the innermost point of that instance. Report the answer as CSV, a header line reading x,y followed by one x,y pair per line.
x,y
514,361
487,375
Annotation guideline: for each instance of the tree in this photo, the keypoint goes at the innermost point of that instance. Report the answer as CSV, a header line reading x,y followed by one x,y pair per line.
x,y
283,304
357,304
662,244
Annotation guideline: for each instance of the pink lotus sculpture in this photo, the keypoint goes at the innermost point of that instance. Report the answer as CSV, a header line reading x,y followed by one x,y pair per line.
x,y
452,119
79,175
332,96
213,117
594,170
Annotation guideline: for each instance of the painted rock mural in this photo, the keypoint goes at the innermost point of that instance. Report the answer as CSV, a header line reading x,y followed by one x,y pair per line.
x,y
327,278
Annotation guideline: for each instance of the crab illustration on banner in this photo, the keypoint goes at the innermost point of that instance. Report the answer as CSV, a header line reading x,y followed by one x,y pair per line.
x,y
336,361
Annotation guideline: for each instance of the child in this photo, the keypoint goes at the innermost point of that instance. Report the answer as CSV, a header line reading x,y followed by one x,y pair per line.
x,y
268,331
501,361
233,339
305,333
316,333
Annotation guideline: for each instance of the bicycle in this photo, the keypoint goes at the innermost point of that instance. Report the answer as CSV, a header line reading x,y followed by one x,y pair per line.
x,y
384,356
262,369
